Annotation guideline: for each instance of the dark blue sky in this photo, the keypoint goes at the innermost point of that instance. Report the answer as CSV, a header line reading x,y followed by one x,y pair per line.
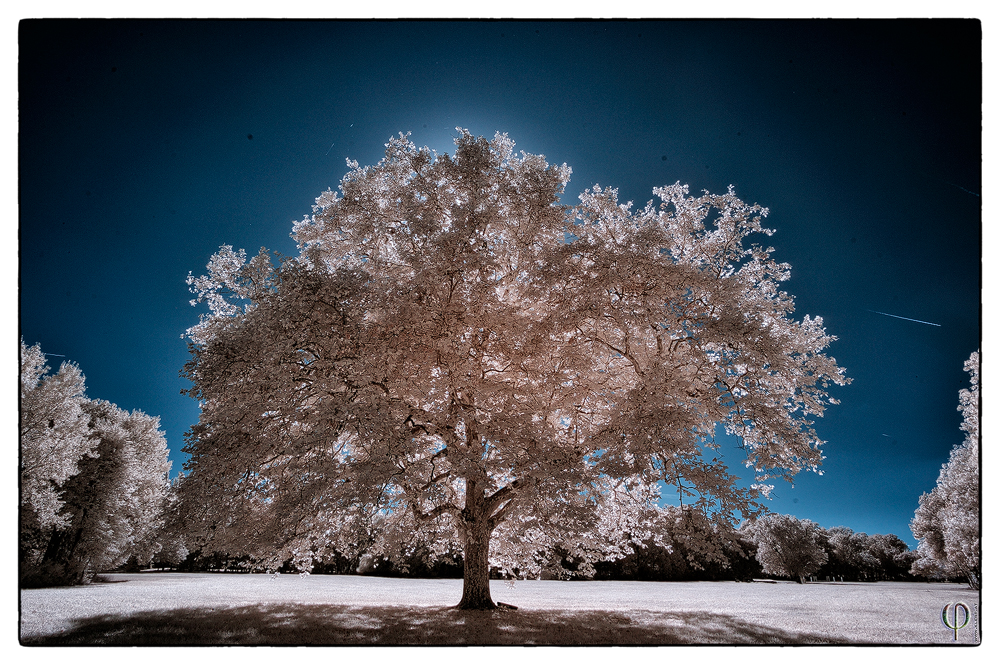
x,y
862,137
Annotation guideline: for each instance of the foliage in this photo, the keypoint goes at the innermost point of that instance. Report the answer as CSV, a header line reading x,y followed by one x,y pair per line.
x,y
454,351
947,521
174,549
894,557
688,545
848,553
53,433
786,545
93,478
860,557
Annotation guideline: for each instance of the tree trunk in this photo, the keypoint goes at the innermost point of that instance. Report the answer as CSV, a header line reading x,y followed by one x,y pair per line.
x,y
476,575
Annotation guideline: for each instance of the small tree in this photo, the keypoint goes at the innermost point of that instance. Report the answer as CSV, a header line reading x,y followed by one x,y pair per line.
x,y
946,523
455,351
786,546
169,543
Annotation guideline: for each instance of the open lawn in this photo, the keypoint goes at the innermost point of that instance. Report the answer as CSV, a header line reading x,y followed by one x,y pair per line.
x,y
207,608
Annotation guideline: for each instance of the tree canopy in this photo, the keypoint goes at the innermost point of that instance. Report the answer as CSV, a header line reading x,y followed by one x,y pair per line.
x,y
93,477
786,545
53,434
947,521
457,352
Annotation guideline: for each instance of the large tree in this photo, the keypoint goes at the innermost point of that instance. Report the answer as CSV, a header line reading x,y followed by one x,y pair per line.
x,y
946,522
455,351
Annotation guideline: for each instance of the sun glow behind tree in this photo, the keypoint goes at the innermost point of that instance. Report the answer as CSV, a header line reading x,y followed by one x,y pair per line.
x,y
454,351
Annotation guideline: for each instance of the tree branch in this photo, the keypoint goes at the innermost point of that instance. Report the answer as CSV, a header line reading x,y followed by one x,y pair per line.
x,y
436,512
501,495
498,516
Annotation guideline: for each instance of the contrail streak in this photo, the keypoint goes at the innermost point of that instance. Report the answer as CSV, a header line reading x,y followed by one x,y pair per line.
x,y
906,319
962,188
969,191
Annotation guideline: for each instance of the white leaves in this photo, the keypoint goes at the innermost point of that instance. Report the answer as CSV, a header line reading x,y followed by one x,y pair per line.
x,y
786,545
93,477
947,520
118,497
231,288
53,433
222,280
968,400
448,325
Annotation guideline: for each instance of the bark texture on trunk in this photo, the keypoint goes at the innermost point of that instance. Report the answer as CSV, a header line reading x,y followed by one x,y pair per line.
x,y
476,575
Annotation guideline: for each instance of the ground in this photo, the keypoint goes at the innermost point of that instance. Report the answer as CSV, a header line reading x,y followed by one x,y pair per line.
x,y
207,608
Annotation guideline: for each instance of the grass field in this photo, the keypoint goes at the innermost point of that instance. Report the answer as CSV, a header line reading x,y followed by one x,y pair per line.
x,y
205,608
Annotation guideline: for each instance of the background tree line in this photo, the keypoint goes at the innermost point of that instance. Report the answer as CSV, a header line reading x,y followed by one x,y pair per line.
x,y
95,496
687,546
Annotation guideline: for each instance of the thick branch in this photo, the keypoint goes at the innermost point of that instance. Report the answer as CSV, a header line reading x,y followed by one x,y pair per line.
x,y
498,516
501,495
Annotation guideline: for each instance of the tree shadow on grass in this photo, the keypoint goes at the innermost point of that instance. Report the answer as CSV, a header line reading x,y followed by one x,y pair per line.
x,y
295,624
